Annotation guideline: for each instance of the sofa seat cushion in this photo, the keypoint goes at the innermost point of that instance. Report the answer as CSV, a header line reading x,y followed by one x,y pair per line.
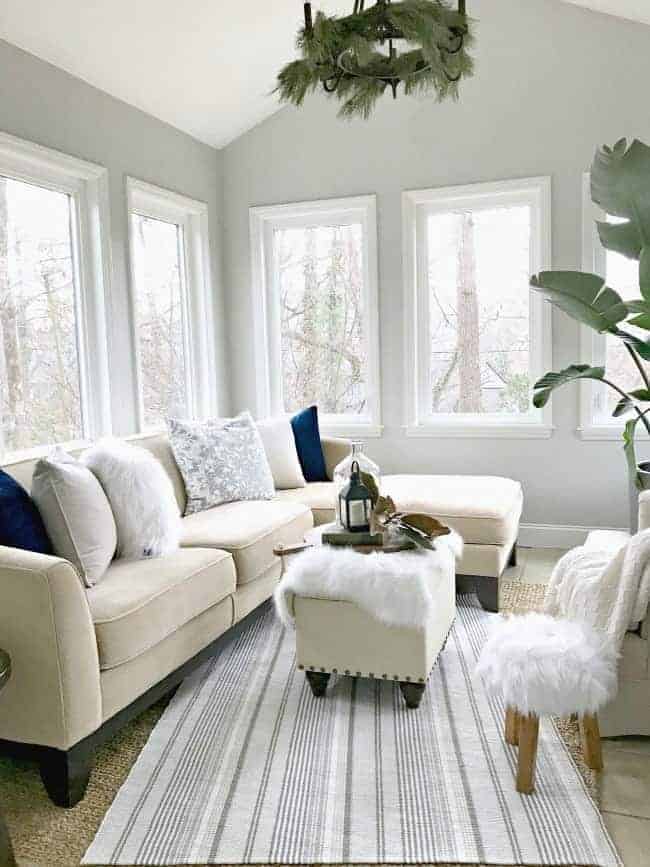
x,y
249,530
139,603
485,510
320,497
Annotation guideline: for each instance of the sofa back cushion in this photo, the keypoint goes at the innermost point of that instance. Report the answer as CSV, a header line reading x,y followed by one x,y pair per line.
x,y
157,444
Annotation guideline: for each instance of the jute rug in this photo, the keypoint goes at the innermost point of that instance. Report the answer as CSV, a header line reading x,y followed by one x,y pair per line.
x,y
246,766
47,836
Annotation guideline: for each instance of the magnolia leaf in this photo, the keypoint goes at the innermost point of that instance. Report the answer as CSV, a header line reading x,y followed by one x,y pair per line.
x,y
548,383
642,394
384,506
425,524
585,297
415,535
371,484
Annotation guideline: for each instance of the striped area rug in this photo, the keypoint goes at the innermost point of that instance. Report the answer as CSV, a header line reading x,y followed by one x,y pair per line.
x,y
246,766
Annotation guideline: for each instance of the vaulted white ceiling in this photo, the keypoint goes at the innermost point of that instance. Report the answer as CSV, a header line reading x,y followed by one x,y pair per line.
x,y
205,66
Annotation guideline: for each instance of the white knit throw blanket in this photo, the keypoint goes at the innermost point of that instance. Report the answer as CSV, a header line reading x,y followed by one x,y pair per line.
x,y
393,588
606,589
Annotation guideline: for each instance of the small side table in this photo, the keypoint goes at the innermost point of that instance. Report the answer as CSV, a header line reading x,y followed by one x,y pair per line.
x,y
6,851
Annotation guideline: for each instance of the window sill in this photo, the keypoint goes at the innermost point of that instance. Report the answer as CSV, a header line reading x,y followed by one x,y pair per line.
x,y
37,452
485,430
604,432
351,430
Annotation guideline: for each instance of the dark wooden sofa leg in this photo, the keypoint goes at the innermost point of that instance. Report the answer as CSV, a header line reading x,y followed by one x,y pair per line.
x,y
512,560
318,681
65,775
487,590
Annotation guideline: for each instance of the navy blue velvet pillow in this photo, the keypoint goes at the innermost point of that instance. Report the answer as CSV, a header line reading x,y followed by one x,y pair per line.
x,y
308,445
21,525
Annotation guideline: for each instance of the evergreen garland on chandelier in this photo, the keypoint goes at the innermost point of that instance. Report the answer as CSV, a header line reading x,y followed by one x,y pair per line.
x,y
342,54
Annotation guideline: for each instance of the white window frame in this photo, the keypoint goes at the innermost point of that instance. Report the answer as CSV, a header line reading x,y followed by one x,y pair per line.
x,y
191,215
593,346
266,309
87,185
417,205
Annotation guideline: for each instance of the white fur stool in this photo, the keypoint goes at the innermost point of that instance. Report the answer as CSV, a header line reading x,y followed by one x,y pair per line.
x,y
542,666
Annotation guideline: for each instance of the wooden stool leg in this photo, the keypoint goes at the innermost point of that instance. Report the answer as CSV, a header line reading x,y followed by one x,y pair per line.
x,y
528,735
512,727
591,746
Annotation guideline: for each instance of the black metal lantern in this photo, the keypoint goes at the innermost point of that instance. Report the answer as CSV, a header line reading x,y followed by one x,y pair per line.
x,y
355,503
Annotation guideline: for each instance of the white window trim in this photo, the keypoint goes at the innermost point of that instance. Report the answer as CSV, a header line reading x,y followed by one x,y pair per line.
x,y
192,215
593,345
87,185
416,205
266,325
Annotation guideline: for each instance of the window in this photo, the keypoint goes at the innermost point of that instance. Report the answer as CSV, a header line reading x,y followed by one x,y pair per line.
x,y
598,401
171,303
52,287
315,284
477,338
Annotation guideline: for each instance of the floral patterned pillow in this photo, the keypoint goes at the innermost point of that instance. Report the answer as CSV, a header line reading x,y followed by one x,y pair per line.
x,y
221,460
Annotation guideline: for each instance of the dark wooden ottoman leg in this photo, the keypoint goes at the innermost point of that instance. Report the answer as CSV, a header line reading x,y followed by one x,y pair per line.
x,y
487,590
412,693
317,680
65,775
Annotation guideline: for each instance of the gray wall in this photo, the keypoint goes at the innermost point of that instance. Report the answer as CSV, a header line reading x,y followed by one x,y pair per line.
x,y
42,103
552,82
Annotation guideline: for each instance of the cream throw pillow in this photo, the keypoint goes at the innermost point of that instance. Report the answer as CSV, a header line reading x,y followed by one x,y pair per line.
x,y
76,514
142,498
280,447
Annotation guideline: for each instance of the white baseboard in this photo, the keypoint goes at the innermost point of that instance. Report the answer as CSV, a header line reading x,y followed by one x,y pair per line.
x,y
555,535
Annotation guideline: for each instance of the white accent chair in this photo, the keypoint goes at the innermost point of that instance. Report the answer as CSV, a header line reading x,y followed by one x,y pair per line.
x,y
629,712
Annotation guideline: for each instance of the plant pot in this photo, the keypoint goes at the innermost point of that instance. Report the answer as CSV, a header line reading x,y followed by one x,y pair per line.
x,y
643,475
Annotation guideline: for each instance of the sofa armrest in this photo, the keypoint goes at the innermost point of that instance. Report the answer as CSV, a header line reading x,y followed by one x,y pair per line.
x,y
53,697
334,450
644,510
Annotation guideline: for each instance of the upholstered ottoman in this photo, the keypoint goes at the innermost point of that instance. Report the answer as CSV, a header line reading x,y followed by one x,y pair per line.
x,y
334,636
484,510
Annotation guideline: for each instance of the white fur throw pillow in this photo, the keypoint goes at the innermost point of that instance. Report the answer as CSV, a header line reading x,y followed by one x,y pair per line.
x,y
142,498
280,447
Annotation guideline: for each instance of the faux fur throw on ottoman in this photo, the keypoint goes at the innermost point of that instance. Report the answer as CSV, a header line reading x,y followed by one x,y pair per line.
x,y
393,588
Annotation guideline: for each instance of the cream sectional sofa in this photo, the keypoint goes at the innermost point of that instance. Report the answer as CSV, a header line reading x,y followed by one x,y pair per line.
x,y
86,661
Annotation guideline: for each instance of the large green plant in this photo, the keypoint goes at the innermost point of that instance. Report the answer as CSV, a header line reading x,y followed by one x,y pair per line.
x,y
620,185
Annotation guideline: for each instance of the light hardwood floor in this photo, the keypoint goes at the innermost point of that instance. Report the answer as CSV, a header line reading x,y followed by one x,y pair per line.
x,y
626,778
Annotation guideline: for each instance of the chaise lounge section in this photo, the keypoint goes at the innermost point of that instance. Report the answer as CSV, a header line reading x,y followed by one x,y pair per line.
x,y
85,661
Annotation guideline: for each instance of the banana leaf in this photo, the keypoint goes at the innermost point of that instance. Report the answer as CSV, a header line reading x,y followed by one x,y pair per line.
x,y
585,297
547,384
619,185
630,451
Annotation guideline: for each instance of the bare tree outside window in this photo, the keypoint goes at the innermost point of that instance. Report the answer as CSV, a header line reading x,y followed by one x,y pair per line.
x,y
40,393
320,279
160,317
479,266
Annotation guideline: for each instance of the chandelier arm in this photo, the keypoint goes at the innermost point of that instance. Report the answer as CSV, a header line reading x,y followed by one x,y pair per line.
x,y
452,79
331,87
461,42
